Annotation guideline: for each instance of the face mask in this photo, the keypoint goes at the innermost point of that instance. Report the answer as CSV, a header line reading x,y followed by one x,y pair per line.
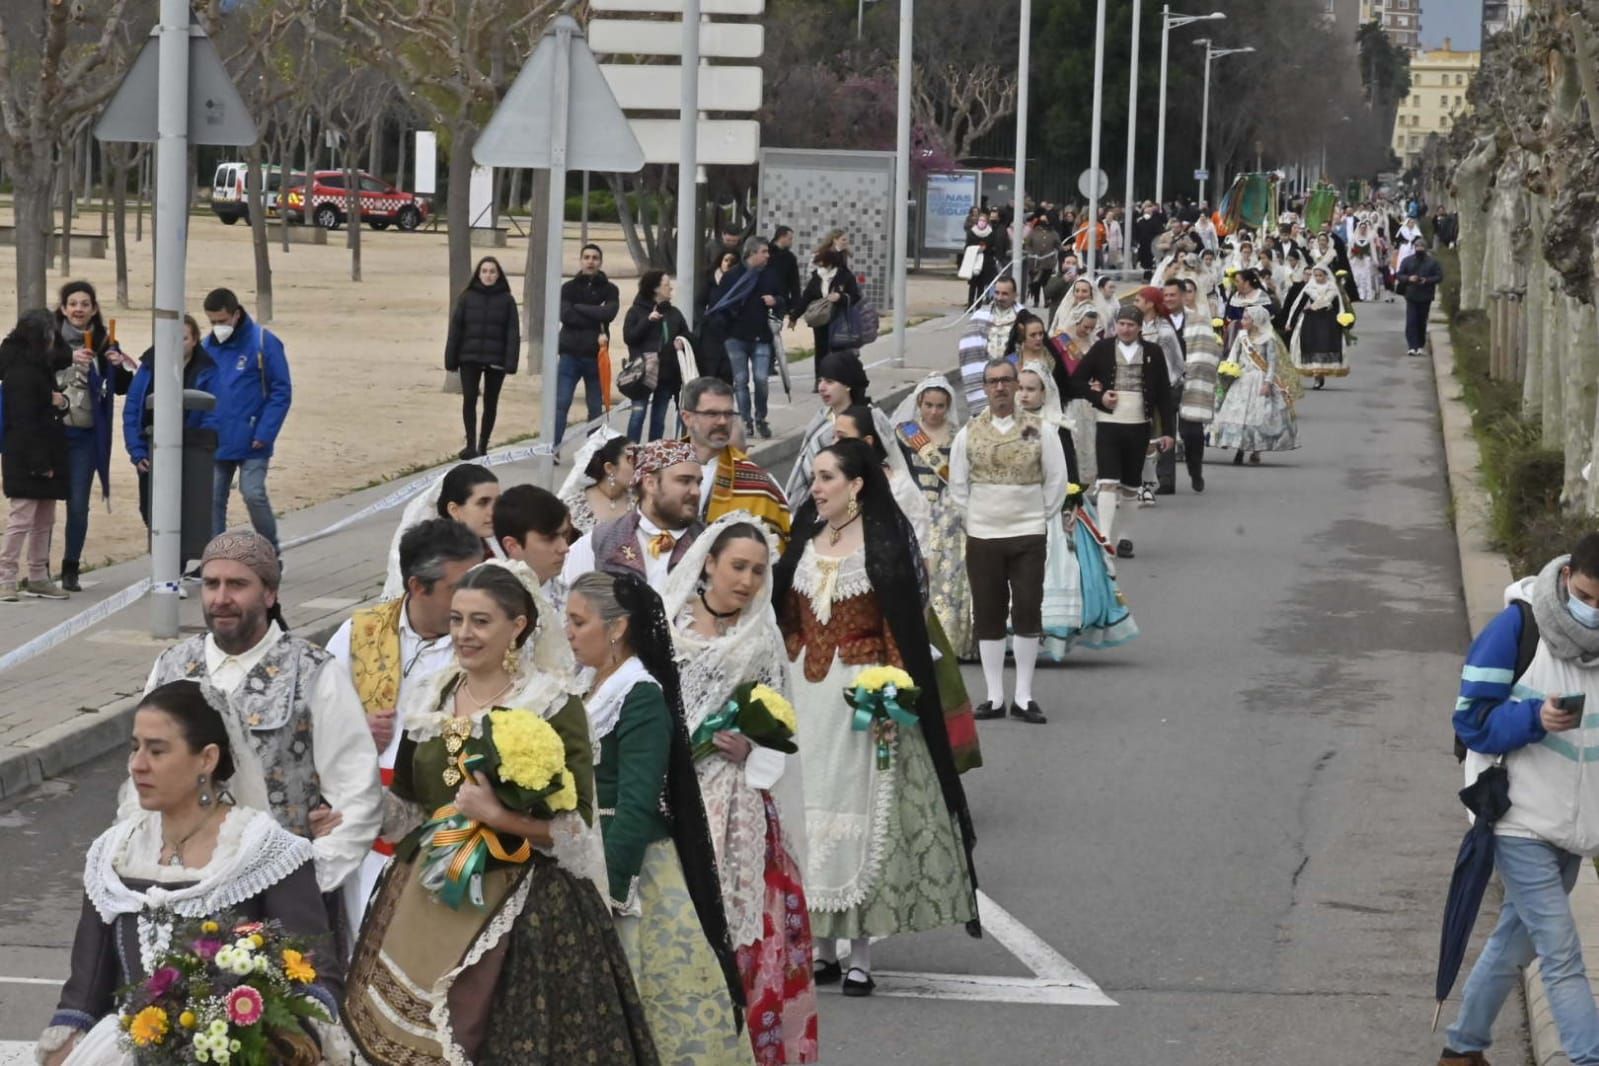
x,y
1586,615
222,331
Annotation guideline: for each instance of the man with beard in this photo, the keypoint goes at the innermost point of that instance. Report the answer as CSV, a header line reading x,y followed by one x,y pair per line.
x,y
650,539
294,701
730,480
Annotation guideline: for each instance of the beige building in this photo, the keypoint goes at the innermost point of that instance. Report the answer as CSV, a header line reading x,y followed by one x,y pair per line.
x,y
1400,18
1438,82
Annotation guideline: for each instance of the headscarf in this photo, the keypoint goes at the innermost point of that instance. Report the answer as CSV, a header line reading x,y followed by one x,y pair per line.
x,y
1051,411
577,478
657,455
909,409
250,548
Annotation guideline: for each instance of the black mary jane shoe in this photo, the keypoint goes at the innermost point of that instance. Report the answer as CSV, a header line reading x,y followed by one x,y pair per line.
x,y
827,973
1030,713
858,986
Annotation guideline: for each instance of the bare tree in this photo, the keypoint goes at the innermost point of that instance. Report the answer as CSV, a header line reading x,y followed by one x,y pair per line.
x,y
53,73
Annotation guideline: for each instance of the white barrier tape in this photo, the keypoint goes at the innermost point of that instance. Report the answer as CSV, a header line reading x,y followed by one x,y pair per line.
x,y
79,622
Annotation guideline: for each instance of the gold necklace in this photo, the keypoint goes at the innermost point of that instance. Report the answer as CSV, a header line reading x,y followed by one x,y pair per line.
x,y
177,849
836,533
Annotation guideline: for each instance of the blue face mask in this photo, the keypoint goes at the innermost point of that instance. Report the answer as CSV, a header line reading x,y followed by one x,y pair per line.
x,y
1586,615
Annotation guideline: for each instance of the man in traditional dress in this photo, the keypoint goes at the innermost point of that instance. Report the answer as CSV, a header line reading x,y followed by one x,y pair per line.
x,y
1002,314
1009,477
730,480
651,538
297,705
397,644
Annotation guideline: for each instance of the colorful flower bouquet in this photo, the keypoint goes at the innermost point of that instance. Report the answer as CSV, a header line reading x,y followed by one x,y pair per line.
x,y
524,759
881,696
757,711
230,993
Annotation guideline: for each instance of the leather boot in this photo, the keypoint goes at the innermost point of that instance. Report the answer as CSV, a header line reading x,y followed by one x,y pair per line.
x,y
1457,1058
69,576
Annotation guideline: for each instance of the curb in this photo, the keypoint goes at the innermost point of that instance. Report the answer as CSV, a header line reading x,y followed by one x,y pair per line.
x,y
1484,573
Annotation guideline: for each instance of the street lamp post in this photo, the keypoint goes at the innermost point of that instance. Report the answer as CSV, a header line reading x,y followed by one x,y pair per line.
x,y
1169,22
1093,151
1132,133
1204,108
902,177
1019,194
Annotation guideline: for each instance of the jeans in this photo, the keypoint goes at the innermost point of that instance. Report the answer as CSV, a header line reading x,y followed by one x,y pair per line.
x,y
656,404
252,486
1534,922
1416,324
570,370
742,354
80,486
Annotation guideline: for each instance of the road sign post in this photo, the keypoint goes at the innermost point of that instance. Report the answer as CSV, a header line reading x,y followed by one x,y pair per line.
x,y
558,115
176,93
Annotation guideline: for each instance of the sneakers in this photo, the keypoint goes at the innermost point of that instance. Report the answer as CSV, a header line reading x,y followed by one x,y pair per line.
x,y
763,430
8,592
43,590
1031,713
986,711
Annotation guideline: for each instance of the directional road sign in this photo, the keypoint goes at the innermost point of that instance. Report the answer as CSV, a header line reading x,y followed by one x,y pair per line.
x,y
216,112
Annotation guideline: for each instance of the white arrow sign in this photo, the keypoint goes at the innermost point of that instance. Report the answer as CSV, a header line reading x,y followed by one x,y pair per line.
x,y
721,40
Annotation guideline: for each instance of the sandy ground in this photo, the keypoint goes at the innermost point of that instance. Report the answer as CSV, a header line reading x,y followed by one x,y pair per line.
x,y
367,358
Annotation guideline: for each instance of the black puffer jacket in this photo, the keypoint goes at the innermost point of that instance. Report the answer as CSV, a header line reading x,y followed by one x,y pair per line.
x,y
588,304
34,463
485,329
659,336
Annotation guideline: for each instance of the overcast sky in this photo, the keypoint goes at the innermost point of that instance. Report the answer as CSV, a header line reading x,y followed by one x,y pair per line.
x,y
1459,20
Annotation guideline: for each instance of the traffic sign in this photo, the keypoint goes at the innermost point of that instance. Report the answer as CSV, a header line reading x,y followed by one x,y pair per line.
x,y
216,112
643,37
521,133
1201,175
1086,182
734,142
640,87
675,7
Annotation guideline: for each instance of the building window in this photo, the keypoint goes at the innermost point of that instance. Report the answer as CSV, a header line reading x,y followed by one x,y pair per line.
x,y
1460,79
1443,101
1459,100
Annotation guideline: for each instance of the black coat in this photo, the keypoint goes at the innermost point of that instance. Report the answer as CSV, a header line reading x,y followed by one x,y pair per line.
x,y
643,336
33,465
845,285
588,305
1099,364
786,268
1429,270
750,319
485,329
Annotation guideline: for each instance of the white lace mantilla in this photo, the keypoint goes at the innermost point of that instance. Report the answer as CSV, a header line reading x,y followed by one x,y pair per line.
x,y
604,704
252,854
825,581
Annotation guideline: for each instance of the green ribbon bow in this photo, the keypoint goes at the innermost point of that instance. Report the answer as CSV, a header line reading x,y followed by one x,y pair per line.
x,y
865,701
722,721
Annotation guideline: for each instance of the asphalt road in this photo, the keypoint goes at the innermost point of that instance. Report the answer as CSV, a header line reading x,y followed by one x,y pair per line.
x,y
1241,826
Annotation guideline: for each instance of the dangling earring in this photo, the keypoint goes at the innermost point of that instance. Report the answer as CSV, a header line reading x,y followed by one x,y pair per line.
x,y
854,508
610,479
206,798
512,659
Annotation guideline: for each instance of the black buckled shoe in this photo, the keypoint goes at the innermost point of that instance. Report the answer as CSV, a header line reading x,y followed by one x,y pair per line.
x,y
1124,549
987,710
1030,713
827,973
858,986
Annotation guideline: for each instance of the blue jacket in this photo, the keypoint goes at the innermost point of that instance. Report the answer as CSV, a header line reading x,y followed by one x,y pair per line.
x,y
252,389
199,374
1494,715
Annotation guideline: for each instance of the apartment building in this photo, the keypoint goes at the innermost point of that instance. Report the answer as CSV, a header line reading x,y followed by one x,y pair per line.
x,y
1439,78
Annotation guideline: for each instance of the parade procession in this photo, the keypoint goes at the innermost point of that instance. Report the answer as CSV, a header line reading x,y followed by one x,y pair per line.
x,y
935,593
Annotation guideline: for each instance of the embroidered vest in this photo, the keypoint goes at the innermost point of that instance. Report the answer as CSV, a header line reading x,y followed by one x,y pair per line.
x,y
616,544
1014,458
274,706
375,659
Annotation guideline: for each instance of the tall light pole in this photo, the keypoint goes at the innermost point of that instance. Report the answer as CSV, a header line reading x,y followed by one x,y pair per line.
x,y
688,150
1168,23
1019,195
1093,151
1204,109
902,180
1132,134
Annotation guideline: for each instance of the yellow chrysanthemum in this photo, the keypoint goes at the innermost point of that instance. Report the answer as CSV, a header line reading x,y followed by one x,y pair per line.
x,y
1346,320
149,1027
209,927
297,968
563,798
1217,323
530,749
188,1020
876,677
258,940
776,705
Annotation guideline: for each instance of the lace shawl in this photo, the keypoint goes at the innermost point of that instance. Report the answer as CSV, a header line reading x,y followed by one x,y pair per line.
x,y
825,581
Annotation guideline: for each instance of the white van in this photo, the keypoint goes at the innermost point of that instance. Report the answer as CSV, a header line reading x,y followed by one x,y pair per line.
x,y
231,202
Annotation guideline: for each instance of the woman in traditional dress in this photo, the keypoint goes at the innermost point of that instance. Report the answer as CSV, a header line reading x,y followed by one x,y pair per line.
x,y
1247,293
889,847
1108,301
1081,294
1258,412
841,382
598,488
1318,337
466,493
534,973
660,863
719,599
201,845
1363,260
1081,415
1082,605
925,425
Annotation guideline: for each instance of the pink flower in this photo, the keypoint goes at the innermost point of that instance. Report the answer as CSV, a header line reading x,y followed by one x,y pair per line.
x,y
207,948
244,1006
161,982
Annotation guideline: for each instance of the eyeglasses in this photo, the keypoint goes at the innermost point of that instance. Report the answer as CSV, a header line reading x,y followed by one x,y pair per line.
x,y
993,383
721,416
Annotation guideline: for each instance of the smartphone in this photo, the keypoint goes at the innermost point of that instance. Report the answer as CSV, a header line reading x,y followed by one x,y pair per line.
x,y
1573,703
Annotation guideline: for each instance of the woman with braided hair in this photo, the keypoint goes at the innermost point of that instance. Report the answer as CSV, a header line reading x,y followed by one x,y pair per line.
x,y
890,840
665,893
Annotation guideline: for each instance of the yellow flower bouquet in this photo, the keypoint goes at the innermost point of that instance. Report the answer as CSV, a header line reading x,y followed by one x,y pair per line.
x,y
524,760
1230,369
1346,319
883,699
757,711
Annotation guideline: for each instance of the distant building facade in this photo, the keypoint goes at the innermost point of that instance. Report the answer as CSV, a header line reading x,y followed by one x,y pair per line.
x,y
1401,19
1499,15
1439,78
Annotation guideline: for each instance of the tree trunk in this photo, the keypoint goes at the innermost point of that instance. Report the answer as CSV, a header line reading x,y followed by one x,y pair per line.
x,y
144,188
374,149
624,214
68,178
352,211
399,174
119,212
105,193
538,235
283,151
462,137
31,194
255,184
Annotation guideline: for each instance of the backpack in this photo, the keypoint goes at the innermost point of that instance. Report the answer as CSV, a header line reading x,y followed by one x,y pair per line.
x,y
1526,648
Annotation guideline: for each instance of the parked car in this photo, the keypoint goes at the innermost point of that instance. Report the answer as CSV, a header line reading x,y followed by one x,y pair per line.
x,y
382,204
230,200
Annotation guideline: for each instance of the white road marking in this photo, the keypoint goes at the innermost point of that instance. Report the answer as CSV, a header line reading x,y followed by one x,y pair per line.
x,y
16,1053
33,980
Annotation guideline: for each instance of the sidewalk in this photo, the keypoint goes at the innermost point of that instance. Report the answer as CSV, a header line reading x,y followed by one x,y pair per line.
x,y
72,703
1484,574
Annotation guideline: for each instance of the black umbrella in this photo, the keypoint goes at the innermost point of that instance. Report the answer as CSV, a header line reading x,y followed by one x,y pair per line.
x,y
1487,798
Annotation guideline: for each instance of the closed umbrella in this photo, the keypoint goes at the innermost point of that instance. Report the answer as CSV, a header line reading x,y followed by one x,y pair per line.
x,y
605,371
1487,798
